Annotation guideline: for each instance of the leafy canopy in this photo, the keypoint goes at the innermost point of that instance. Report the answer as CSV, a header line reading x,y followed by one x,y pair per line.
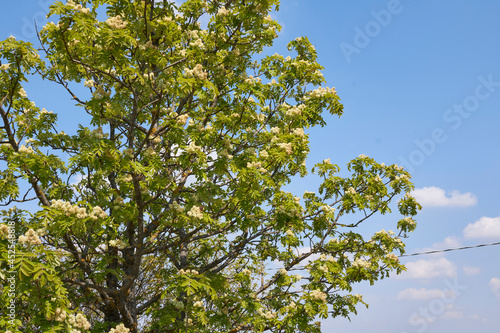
x,y
162,208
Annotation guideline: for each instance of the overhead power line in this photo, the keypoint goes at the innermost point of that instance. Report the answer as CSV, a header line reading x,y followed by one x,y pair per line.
x,y
418,253
447,250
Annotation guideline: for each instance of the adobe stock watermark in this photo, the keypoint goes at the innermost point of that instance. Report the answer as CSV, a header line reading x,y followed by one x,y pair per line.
x,y
10,287
437,307
454,116
28,29
363,36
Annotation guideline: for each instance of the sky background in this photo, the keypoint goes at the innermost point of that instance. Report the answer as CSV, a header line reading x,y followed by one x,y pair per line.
x,y
420,84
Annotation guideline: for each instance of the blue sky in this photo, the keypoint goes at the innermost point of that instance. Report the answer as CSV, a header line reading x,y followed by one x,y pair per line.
x,y
420,84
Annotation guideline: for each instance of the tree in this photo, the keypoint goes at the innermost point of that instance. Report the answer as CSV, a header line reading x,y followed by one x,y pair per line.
x,y
165,210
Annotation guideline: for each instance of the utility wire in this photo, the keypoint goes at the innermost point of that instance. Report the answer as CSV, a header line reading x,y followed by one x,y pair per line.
x,y
419,253
447,250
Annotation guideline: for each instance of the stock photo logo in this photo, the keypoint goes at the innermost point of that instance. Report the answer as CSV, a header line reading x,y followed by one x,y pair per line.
x,y
364,36
454,117
37,19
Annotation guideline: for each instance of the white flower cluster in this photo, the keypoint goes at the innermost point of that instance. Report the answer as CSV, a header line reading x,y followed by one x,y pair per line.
x,y
26,150
119,329
322,91
30,237
361,263
193,149
78,7
149,76
318,294
295,110
182,119
4,230
409,221
383,232
327,209
392,256
327,161
286,146
402,178
22,92
268,314
89,83
298,132
43,112
378,179
275,130
198,304
359,297
323,268
116,22
290,233
282,271
333,241
118,243
197,43
80,212
256,165
195,212
197,71
79,321
4,67
222,11
351,190
188,271
60,315
246,271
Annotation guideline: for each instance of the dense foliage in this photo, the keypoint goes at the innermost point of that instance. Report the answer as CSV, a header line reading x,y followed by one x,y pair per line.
x,y
164,210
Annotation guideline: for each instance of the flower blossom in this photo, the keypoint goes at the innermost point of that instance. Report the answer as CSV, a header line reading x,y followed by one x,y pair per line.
x,y
267,314
222,11
119,329
195,212
118,243
351,190
22,92
197,71
286,146
299,132
116,22
322,91
30,237
25,150
192,148
361,263
60,315
79,321
318,294
392,256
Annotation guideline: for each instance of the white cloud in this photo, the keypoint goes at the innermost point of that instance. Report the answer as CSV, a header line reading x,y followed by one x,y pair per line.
x,y
495,286
420,294
428,269
447,243
471,270
485,227
436,197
